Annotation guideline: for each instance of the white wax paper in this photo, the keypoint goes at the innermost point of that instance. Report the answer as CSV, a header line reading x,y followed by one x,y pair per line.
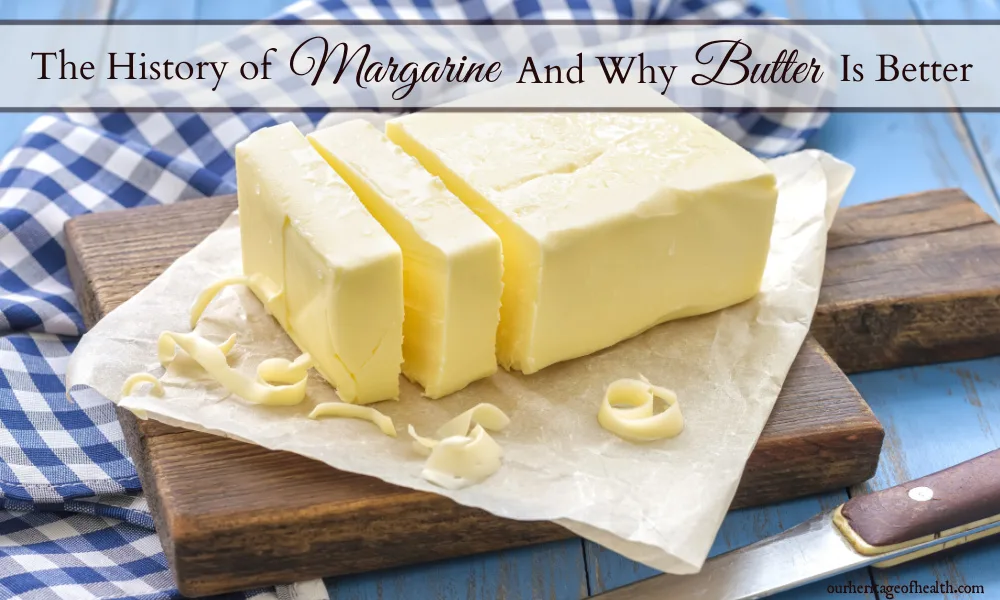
x,y
660,503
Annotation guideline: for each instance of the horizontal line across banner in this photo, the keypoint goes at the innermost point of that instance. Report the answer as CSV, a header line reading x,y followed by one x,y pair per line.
x,y
501,109
480,22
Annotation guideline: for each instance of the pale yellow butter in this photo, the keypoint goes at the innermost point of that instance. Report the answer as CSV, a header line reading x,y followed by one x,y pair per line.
x,y
462,453
452,261
332,275
628,411
611,222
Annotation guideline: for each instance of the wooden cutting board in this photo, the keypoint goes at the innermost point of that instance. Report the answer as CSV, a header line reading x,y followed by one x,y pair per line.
x,y
908,280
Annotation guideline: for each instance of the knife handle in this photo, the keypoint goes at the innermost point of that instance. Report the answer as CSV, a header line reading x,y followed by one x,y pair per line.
x,y
956,499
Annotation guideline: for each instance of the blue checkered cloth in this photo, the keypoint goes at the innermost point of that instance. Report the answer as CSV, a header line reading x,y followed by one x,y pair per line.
x,y
73,521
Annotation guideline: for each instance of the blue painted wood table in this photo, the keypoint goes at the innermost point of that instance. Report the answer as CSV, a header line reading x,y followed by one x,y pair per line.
x,y
934,416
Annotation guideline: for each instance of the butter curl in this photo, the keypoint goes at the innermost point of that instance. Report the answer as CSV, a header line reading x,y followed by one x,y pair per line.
x,y
627,411
460,461
137,378
354,411
485,414
461,457
212,358
261,286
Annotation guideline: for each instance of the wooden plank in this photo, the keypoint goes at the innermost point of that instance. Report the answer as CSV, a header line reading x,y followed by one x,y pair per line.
x,y
12,125
927,154
553,571
802,450
911,281
982,130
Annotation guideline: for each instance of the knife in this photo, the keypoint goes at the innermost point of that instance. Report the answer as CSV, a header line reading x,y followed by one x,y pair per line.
x,y
886,528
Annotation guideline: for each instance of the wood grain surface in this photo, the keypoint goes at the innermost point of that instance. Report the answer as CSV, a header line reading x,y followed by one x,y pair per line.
x,y
218,501
911,281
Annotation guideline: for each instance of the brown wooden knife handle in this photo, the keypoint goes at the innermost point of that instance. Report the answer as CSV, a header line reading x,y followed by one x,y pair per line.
x,y
955,497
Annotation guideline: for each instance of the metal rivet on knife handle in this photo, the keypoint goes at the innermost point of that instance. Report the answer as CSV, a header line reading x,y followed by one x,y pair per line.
x,y
960,498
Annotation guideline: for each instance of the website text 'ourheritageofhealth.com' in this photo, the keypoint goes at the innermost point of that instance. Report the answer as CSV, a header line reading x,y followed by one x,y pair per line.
x,y
889,590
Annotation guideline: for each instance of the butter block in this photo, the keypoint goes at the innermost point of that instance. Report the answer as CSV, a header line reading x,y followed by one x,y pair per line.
x,y
452,261
339,274
611,223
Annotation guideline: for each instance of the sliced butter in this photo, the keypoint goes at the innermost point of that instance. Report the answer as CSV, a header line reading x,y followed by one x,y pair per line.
x,y
452,261
611,223
335,277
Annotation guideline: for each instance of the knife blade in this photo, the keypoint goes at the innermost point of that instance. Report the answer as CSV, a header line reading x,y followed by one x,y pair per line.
x,y
885,528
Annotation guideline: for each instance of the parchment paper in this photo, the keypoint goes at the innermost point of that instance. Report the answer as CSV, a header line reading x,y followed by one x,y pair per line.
x,y
659,503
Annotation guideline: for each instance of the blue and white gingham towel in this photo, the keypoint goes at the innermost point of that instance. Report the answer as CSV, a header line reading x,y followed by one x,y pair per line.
x,y
73,522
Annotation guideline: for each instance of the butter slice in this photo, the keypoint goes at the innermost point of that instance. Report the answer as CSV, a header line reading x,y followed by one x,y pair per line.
x,y
339,274
611,223
452,261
